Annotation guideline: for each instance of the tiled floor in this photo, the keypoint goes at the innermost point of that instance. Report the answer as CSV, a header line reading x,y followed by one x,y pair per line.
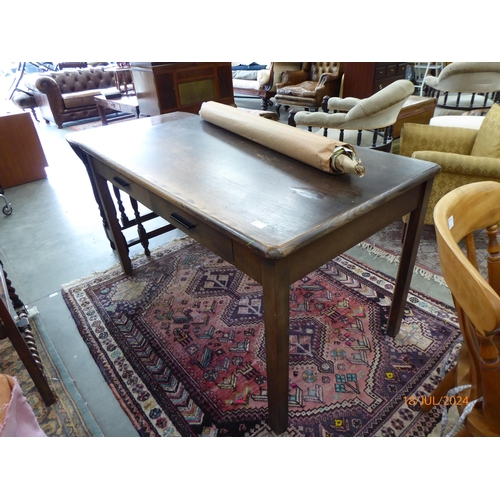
x,y
55,236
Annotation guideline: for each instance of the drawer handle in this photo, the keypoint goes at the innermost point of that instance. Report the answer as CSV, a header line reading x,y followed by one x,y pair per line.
x,y
182,221
121,181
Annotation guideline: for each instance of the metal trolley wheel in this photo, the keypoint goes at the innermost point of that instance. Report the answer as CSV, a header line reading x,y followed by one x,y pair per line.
x,y
7,209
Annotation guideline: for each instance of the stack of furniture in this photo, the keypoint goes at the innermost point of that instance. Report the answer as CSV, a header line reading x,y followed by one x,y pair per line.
x,y
259,80
253,80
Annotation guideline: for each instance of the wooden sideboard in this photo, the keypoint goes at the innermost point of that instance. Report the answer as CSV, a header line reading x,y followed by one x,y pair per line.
x,y
21,155
363,79
163,87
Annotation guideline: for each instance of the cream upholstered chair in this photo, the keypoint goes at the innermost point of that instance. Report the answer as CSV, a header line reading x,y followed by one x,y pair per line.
x,y
351,116
473,384
307,87
465,155
464,86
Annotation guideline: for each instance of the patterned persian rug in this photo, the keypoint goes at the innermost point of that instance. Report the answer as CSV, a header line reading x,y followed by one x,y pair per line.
x,y
181,344
68,416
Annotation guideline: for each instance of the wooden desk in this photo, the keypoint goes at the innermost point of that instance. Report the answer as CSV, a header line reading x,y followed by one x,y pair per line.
x,y
274,218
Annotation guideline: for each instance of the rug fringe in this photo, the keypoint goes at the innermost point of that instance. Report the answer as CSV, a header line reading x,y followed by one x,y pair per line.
x,y
378,252
394,259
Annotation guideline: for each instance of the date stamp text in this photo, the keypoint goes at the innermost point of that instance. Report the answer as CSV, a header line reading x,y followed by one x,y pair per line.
x,y
436,401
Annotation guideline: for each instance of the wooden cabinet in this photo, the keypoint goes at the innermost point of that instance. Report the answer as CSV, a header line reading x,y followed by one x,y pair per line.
x,y
21,155
363,79
166,87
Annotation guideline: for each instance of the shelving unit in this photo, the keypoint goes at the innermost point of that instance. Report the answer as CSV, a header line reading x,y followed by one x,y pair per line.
x,y
422,69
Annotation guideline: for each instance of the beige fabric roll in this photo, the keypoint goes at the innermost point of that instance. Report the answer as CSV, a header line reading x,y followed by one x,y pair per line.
x,y
312,149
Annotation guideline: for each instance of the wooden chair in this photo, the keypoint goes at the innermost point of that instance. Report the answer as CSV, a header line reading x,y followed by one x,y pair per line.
x,y
457,216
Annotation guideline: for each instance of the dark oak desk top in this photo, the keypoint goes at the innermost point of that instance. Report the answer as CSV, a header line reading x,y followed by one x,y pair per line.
x,y
266,200
274,218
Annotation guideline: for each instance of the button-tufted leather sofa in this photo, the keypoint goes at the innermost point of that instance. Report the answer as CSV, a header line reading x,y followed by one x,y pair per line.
x,y
68,95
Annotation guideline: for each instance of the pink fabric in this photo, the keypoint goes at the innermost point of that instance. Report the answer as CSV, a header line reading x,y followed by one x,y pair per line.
x,y
20,420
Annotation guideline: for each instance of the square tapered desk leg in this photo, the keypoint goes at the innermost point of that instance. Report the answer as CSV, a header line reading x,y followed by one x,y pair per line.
x,y
276,296
407,262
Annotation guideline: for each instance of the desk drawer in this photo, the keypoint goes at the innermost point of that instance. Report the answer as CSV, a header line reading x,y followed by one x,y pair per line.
x,y
214,240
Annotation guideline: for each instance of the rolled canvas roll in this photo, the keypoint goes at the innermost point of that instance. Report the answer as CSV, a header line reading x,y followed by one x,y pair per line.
x,y
312,149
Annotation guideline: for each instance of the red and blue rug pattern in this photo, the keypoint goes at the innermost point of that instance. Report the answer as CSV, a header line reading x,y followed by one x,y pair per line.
x,y
181,344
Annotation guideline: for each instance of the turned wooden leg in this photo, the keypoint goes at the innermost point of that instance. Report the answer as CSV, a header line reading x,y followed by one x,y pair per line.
x,y
16,301
121,208
23,341
109,212
143,237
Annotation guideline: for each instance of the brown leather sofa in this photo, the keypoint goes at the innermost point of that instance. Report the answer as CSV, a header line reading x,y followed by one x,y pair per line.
x,y
68,95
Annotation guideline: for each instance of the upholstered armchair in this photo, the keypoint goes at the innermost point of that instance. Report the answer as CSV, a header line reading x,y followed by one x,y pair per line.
x,y
464,86
465,155
362,122
306,87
